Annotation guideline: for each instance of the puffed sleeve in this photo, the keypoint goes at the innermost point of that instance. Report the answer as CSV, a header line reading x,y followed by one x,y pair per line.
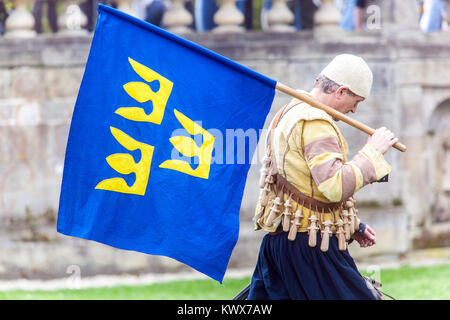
x,y
335,179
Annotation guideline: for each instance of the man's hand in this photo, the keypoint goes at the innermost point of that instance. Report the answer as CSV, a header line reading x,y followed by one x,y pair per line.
x,y
382,139
367,239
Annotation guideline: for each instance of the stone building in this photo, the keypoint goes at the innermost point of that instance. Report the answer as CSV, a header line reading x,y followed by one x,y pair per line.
x,y
40,77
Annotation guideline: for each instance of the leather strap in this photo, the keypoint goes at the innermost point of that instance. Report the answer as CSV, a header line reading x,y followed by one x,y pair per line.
x,y
275,122
300,197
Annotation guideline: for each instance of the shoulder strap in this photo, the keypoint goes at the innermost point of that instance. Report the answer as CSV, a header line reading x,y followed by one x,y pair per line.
x,y
275,122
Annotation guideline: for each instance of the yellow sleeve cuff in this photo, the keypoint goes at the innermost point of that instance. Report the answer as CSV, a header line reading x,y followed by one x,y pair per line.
x,y
378,161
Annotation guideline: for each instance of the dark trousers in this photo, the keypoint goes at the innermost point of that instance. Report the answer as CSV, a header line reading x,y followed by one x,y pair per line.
x,y
155,12
288,270
89,7
52,16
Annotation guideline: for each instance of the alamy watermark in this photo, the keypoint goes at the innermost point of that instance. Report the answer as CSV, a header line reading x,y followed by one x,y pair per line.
x,y
74,278
231,146
373,21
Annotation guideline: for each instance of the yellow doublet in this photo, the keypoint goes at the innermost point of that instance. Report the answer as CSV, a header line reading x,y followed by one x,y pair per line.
x,y
311,153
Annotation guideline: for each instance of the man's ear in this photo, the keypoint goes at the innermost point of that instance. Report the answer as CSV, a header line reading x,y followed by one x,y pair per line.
x,y
341,91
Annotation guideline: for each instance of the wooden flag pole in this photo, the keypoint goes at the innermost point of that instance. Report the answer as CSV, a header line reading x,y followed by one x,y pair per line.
x,y
305,97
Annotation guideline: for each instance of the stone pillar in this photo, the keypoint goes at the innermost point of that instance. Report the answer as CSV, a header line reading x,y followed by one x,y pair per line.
x,y
327,18
20,23
177,19
228,17
73,20
406,14
125,6
405,21
280,18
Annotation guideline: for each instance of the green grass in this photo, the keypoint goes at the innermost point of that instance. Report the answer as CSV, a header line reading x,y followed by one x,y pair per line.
x,y
403,283
422,283
189,289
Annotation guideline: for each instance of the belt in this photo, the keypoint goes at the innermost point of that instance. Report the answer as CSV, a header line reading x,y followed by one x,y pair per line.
x,y
278,231
302,198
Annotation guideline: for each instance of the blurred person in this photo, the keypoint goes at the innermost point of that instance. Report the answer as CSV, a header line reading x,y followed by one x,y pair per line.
x,y
347,8
89,8
420,3
434,16
52,15
306,10
307,172
353,13
246,7
140,8
359,14
189,6
3,16
110,3
154,11
204,11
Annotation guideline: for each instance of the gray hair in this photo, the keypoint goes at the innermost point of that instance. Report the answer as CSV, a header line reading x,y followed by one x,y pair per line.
x,y
328,86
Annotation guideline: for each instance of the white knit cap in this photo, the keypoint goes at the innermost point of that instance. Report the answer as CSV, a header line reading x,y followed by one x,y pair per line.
x,y
351,71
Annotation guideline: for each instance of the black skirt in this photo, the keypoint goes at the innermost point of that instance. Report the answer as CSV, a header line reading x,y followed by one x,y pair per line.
x,y
293,270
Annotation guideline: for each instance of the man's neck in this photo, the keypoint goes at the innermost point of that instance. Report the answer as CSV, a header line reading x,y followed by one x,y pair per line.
x,y
322,97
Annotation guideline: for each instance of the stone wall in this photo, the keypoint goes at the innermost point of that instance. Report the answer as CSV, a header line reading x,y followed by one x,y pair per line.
x,y
39,81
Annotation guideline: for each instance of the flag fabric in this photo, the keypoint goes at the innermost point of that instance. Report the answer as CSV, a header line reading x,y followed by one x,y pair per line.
x,y
146,167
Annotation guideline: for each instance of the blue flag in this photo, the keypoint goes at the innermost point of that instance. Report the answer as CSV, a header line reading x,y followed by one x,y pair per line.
x,y
146,167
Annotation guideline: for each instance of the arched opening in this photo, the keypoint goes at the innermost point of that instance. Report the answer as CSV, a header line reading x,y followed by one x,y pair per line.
x,y
439,131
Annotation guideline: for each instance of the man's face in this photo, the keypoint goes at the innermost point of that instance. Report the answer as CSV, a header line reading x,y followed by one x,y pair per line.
x,y
344,101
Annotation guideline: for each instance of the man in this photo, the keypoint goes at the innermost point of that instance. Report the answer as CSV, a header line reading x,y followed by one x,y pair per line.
x,y
307,184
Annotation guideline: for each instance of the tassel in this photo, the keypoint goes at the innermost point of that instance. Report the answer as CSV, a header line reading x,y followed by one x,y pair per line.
x,y
312,240
349,204
350,207
264,171
269,179
355,222
346,224
326,233
287,215
352,220
273,211
292,232
295,225
340,234
263,176
266,161
355,210
265,196
286,221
